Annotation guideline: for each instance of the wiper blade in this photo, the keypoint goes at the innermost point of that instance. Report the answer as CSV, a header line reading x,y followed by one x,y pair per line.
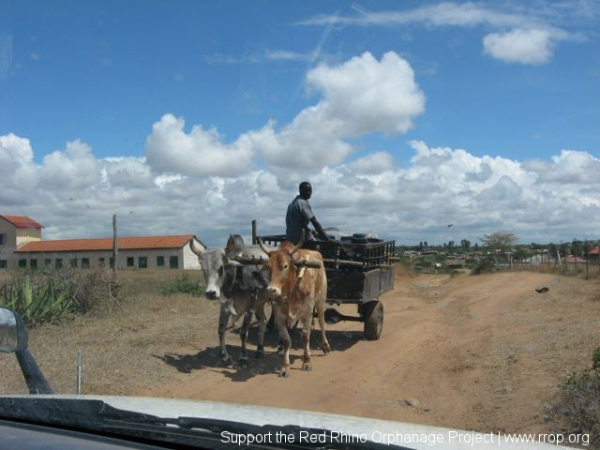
x,y
98,416
86,413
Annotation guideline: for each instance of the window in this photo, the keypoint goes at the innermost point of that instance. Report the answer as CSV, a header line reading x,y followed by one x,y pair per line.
x,y
3,264
85,263
173,262
74,262
143,262
58,263
160,261
47,262
22,263
33,263
130,261
2,238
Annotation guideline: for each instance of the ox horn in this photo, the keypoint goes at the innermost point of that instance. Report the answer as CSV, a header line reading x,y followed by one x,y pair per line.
x,y
298,245
262,246
195,249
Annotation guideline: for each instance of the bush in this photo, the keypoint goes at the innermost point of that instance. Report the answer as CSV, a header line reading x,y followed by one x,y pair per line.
x,y
51,295
183,285
486,265
576,409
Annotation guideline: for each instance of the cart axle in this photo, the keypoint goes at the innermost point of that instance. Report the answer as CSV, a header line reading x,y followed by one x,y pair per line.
x,y
334,316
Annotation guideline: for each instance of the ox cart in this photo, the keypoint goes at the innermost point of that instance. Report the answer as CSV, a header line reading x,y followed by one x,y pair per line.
x,y
359,269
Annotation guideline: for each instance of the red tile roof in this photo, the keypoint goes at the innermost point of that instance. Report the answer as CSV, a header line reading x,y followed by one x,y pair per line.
x,y
594,251
21,221
106,244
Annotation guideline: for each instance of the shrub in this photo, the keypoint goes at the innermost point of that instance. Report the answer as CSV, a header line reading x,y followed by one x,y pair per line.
x,y
576,408
486,265
183,285
50,295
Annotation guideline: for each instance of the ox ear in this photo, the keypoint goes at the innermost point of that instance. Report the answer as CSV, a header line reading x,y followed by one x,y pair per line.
x,y
196,250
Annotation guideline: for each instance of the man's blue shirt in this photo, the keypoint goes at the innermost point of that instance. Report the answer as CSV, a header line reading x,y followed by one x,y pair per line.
x,y
299,214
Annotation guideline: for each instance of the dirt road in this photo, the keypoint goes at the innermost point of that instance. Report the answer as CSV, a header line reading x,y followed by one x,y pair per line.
x,y
483,353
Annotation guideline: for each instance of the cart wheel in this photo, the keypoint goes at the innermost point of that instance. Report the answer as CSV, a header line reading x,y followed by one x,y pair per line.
x,y
373,317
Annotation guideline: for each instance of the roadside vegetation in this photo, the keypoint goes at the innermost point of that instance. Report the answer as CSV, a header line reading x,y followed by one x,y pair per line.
x,y
40,296
576,408
183,284
53,295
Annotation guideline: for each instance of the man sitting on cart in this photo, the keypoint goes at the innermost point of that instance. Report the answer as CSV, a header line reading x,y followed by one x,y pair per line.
x,y
299,215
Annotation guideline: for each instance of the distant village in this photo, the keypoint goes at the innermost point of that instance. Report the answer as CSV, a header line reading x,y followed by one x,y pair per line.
x,y
503,251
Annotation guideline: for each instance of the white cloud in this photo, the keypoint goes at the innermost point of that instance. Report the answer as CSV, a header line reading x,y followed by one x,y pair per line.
x,y
374,163
520,46
364,95
72,169
306,143
128,172
360,96
523,35
441,14
17,170
15,152
198,153
286,55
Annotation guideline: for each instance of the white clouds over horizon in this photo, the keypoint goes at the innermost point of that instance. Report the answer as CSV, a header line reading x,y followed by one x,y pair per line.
x,y
546,200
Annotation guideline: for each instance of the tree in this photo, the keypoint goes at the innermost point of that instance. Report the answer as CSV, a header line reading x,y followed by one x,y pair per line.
x,y
450,246
499,241
577,248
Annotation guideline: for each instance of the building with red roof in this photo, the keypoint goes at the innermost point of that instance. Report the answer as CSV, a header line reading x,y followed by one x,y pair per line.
x,y
22,246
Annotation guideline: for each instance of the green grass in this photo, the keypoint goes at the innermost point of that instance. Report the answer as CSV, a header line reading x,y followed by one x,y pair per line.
x,y
184,284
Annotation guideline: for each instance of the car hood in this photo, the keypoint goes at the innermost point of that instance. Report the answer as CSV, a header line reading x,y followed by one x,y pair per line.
x,y
345,427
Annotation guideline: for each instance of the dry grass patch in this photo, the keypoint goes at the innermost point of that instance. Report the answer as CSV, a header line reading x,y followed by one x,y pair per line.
x,y
120,349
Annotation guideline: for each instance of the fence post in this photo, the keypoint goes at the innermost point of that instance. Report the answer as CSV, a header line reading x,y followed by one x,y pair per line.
x,y
79,372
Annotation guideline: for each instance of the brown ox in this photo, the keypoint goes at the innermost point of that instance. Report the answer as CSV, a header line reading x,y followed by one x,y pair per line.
x,y
297,291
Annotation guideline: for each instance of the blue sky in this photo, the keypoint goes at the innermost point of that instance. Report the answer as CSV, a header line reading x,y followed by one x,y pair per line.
x,y
196,117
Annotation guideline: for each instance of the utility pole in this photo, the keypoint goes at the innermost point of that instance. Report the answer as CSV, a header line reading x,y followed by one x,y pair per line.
x,y
115,245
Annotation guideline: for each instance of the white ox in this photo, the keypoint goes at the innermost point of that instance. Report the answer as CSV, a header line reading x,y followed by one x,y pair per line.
x,y
239,288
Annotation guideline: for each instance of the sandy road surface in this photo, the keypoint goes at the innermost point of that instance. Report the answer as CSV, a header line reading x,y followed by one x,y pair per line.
x,y
482,353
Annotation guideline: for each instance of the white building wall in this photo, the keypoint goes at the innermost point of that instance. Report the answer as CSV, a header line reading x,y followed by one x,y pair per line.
x,y
25,235
11,238
175,258
8,244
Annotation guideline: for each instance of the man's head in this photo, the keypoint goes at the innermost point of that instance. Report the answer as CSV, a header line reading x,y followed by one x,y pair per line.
x,y
305,190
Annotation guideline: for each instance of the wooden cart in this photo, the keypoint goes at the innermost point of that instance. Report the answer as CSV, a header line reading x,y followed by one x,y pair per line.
x,y
359,269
